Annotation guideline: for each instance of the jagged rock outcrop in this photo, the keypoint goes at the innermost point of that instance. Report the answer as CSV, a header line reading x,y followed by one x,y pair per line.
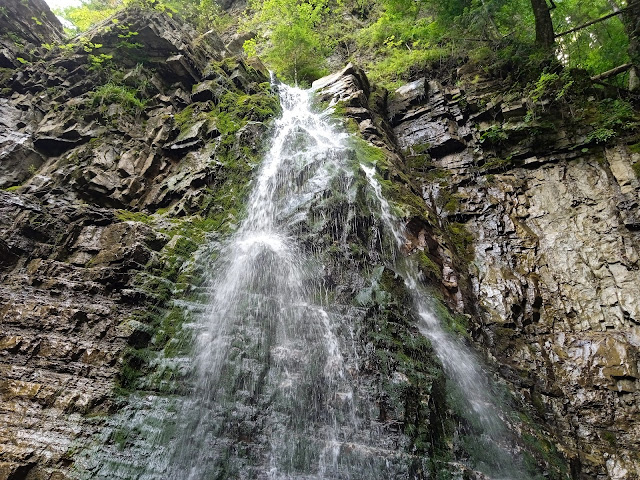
x,y
25,26
555,258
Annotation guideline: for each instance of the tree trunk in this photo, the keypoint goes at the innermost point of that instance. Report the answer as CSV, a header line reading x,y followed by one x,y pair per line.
x,y
631,21
544,27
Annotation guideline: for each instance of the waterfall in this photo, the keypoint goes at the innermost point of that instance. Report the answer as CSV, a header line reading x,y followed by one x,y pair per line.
x,y
305,367
273,396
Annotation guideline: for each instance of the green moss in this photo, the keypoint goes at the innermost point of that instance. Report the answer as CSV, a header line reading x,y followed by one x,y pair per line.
x,y
636,169
454,322
451,202
437,174
5,75
13,188
610,438
635,148
134,362
411,382
428,266
233,110
170,336
129,216
367,153
548,452
461,240
173,273
496,164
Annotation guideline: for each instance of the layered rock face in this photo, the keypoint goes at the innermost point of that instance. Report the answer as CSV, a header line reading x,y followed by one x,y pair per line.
x,y
24,26
555,266
82,135
552,219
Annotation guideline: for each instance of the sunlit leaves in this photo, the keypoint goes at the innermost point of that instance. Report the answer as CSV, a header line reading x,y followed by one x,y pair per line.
x,y
290,41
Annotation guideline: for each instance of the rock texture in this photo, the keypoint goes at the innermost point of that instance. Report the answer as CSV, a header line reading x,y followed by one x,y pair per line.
x,y
555,264
117,158
547,265
25,26
83,285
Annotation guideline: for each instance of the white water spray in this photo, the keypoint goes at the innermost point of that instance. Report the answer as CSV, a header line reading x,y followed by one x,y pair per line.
x,y
460,363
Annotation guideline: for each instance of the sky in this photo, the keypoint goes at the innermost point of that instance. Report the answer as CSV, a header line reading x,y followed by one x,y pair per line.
x,y
62,3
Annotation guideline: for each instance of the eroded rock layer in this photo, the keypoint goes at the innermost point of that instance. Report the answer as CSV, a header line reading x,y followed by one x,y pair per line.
x,y
535,238
96,136
553,216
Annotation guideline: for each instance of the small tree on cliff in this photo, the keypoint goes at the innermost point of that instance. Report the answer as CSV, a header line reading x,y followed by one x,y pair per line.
x,y
291,43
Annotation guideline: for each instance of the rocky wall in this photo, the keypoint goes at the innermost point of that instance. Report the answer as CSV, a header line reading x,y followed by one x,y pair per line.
x,y
116,159
531,231
553,216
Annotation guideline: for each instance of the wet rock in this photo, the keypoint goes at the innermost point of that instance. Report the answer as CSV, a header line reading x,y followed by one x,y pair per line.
x,y
349,86
31,23
18,159
555,254
189,138
72,298
413,93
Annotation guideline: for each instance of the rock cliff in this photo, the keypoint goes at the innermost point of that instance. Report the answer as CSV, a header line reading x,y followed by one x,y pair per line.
x,y
25,26
121,152
95,136
551,246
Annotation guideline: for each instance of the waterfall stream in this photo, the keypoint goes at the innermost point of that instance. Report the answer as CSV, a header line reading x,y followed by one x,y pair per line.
x,y
272,368
292,373
266,347
460,363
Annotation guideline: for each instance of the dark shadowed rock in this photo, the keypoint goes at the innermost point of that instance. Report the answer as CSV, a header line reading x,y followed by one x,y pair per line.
x,y
25,24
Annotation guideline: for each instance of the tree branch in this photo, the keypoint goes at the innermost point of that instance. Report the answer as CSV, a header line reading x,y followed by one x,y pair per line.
x,y
611,73
588,24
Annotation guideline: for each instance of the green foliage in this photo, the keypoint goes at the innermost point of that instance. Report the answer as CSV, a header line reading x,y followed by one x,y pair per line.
x,y
290,41
119,94
401,64
232,111
543,85
496,164
597,48
89,13
493,135
204,14
601,135
612,117
428,266
129,216
99,62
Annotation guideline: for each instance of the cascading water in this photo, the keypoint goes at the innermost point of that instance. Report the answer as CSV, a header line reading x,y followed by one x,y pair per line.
x,y
305,366
460,363
271,374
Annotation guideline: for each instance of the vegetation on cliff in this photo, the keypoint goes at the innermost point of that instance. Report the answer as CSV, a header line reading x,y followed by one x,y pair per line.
x,y
395,39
